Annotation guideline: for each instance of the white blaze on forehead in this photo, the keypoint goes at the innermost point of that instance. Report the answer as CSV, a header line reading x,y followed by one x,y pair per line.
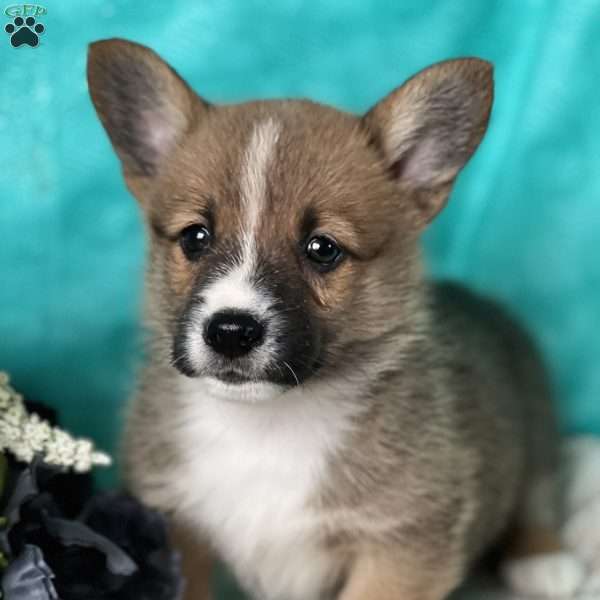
x,y
235,288
253,185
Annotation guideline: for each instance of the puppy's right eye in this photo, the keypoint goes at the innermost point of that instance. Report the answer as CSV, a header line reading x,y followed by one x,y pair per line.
x,y
194,240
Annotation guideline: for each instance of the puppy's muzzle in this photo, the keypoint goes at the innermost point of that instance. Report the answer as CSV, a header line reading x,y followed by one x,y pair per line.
x,y
233,334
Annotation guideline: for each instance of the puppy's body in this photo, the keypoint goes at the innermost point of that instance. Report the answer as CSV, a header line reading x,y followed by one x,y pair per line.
x,y
401,449
313,410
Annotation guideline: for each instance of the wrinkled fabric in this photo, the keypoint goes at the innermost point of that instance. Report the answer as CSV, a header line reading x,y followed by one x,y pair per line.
x,y
523,223
28,577
116,549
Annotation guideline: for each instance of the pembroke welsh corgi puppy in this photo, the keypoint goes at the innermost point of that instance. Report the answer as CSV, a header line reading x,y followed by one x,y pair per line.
x,y
314,410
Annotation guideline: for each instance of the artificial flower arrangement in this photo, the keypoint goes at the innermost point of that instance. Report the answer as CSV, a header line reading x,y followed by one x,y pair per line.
x,y
59,539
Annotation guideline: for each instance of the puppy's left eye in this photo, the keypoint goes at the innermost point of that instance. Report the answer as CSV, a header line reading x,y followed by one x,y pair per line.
x,y
323,252
194,240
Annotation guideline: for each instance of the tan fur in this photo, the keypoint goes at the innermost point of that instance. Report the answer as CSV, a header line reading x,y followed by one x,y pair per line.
x,y
447,421
196,562
396,576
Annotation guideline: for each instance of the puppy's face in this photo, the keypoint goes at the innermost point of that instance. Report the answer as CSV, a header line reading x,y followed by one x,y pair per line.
x,y
283,233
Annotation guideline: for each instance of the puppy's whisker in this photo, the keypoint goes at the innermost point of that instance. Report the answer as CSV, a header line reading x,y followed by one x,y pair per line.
x,y
292,372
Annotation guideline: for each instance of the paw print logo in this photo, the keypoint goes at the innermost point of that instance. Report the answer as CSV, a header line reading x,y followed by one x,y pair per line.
x,y
24,31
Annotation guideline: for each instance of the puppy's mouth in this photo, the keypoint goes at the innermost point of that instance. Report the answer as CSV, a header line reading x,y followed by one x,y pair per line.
x,y
285,375
234,377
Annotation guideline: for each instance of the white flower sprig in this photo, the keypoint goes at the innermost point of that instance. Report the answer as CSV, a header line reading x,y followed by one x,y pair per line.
x,y
26,435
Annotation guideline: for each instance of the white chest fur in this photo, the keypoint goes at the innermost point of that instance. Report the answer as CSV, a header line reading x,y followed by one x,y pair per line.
x,y
249,474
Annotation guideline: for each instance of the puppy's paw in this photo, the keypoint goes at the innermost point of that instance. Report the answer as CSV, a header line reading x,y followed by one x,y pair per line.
x,y
557,575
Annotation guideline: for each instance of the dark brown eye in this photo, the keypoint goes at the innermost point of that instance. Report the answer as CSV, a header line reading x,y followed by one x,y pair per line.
x,y
323,252
194,240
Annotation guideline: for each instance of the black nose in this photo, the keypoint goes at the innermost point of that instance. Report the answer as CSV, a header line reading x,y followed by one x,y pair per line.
x,y
233,334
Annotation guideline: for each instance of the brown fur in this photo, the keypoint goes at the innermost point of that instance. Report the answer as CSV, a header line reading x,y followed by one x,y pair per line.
x,y
196,561
458,422
534,540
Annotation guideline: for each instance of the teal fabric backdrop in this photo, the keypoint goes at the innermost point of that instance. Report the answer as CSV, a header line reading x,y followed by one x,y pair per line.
x,y
523,223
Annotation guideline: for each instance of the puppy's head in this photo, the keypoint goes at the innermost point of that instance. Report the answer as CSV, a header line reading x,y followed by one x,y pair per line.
x,y
283,233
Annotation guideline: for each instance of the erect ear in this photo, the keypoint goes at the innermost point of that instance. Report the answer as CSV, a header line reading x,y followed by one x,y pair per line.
x,y
428,128
145,107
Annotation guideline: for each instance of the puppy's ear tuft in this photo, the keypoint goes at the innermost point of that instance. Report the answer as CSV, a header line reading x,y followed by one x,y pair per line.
x,y
428,128
145,107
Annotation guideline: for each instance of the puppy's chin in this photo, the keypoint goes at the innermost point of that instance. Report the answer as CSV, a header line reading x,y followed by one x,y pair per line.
x,y
249,392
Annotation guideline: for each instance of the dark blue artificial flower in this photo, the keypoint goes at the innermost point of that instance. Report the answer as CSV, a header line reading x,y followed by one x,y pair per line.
x,y
115,550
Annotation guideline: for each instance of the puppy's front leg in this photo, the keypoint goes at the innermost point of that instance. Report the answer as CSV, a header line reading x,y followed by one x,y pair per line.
x,y
196,563
387,574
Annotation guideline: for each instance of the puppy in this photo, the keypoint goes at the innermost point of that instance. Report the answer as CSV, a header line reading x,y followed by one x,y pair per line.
x,y
313,410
